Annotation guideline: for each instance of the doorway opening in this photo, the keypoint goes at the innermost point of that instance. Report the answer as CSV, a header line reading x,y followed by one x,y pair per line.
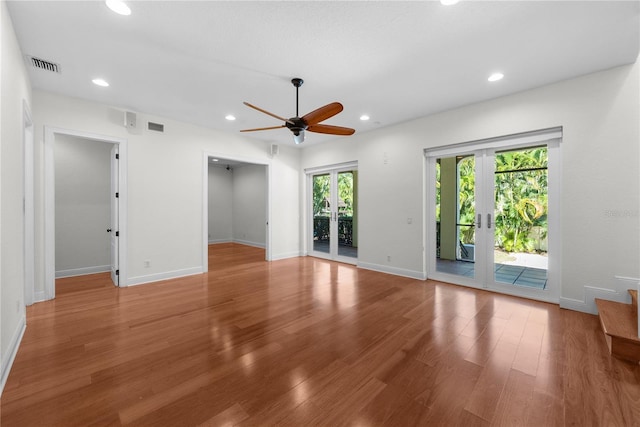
x,y
236,210
85,207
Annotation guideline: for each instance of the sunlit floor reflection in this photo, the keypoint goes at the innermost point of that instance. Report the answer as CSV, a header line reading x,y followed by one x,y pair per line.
x,y
504,273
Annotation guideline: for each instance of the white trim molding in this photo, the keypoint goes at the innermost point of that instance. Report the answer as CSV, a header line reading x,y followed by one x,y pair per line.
x,y
167,275
82,271
12,350
248,243
219,241
588,304
286,255
412,274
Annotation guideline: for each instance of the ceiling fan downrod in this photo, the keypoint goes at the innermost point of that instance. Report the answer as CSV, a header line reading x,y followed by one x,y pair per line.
x,y
297,82
297,125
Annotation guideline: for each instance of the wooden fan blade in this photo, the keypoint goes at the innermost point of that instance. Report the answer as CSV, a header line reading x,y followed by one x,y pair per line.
x,y
333,130
322,113
268,128
265,112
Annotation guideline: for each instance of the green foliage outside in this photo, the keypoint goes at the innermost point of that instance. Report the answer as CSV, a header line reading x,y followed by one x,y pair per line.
x,y
520,199
321,194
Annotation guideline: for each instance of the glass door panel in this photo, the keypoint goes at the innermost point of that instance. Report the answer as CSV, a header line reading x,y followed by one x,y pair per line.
x,y
335,214
322,213
520,212
455,214
347,215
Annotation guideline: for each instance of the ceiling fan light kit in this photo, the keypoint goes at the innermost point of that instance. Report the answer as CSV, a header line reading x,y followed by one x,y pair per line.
x,y
311,121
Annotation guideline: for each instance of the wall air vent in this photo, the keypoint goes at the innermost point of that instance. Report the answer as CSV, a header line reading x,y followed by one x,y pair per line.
x,y
156,126
43,64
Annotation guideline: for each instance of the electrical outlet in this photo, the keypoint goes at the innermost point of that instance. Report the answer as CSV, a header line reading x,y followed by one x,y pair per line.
x,y
147,263
389,258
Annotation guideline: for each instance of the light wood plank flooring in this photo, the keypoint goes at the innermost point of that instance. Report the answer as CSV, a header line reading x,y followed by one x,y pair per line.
x,y
307,342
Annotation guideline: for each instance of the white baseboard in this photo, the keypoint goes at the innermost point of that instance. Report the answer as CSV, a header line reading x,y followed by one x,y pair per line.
x,y
39,296
12,350
285,255
248,243
240,241
393,270
588,304
139,280
216,241
82,271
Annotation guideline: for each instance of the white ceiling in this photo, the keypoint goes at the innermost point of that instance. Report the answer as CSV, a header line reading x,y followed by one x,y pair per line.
x,y
393,60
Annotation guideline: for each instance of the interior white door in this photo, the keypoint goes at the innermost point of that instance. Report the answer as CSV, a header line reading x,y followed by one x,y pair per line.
x,y
114,226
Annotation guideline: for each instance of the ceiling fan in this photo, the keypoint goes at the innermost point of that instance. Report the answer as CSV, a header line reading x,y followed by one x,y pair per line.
x,y
310,121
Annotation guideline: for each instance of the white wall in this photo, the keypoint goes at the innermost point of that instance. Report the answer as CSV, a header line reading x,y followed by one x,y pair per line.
x,y
16,91
165,184
600,183
220,189
286,222
249,204
82,206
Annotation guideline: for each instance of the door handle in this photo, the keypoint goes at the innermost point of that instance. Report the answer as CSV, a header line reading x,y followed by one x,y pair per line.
x,y
479,223
488,220
108,230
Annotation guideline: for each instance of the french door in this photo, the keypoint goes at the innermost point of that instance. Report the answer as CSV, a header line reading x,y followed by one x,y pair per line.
x,y
333,231
494,213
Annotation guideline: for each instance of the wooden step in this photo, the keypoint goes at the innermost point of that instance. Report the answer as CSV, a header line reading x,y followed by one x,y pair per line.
x,y
619,323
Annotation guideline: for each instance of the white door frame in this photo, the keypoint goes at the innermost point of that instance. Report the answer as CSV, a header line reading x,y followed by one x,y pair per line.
x,y
552,138
114,223
205,201
49,202
28,206
331,170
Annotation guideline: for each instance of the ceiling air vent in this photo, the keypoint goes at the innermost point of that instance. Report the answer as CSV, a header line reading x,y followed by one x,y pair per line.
x,y
156,126
43,64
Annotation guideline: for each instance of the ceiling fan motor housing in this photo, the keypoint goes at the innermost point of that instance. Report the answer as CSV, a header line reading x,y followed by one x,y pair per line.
x,y
296,125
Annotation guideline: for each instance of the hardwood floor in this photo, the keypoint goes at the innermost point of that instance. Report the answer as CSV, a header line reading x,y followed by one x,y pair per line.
x,y
305,342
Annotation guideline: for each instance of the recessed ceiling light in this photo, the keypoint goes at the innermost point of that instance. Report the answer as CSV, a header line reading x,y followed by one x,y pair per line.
x,y
214,160
100,82
119,7
449,2
364,117
230,117
495,77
